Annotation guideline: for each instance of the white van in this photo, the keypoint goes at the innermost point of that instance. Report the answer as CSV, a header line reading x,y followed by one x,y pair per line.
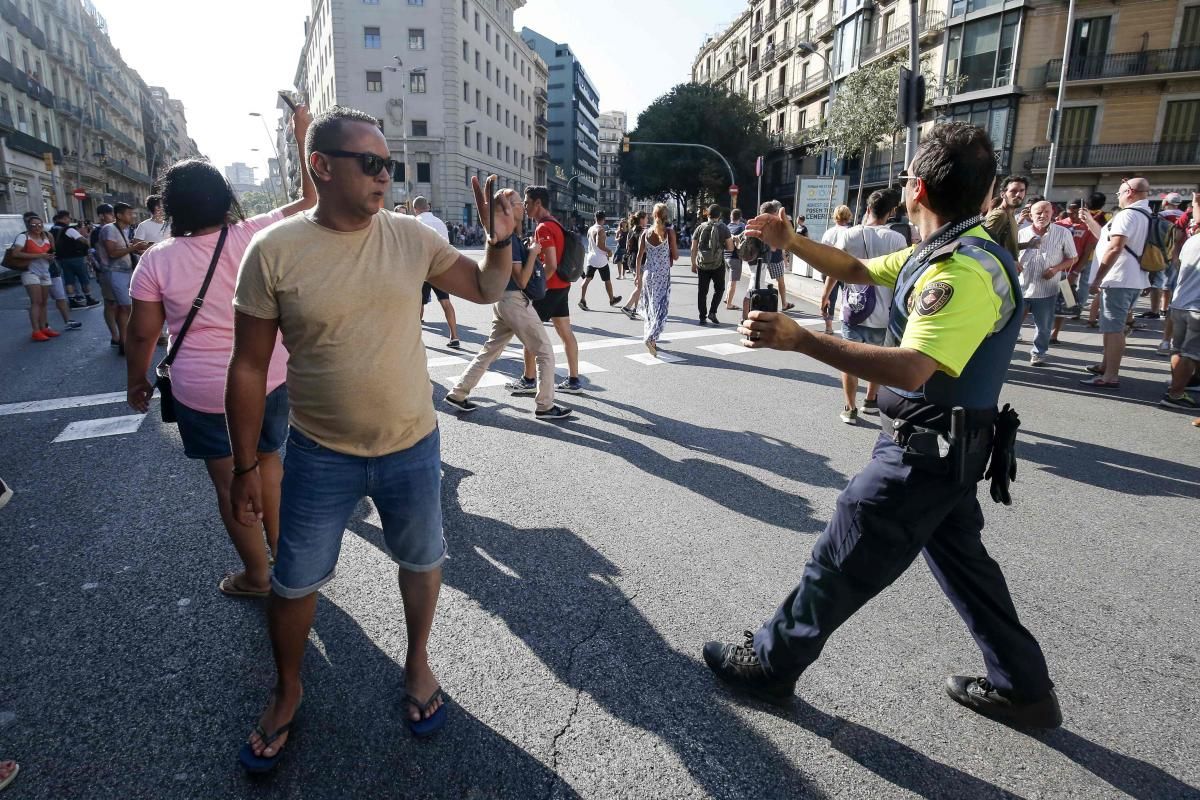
x,y
11,226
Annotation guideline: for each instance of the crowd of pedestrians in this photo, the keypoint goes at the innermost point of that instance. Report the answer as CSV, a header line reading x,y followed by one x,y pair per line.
x,y
260,368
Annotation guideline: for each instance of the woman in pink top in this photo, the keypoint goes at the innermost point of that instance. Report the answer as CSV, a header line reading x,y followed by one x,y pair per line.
x,y
199,202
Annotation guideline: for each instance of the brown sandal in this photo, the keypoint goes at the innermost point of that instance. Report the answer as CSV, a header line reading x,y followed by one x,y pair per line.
x,y
229,586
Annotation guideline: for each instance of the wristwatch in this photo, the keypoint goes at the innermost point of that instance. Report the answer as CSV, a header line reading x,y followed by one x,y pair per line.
x,y
502,243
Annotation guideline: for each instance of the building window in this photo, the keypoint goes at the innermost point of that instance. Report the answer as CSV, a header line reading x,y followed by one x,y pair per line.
x,y
416,38
371,38
416,2
424,172
466,52
466,92
464,10
371,2
416,82
374,81
981,52
420,127
466,138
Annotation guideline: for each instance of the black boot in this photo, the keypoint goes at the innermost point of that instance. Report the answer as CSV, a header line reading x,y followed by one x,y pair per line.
x,y
738,665
980,696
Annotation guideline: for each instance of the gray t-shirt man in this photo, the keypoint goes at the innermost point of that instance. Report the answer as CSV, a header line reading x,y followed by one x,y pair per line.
x,y
112,233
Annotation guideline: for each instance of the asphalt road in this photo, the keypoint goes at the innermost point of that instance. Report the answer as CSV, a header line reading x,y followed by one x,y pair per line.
x,y
589,562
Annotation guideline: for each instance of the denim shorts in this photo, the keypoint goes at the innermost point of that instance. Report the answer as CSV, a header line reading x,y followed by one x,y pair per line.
x,y
206,436
119,283
864,334
1185,333
321,488
1115,305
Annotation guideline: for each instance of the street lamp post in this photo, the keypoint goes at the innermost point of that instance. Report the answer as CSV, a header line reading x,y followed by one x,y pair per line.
x,y
274,148
806,49
399,66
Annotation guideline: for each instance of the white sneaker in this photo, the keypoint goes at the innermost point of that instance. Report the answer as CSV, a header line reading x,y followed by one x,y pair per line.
x,y
1036,361
1164,347
849,415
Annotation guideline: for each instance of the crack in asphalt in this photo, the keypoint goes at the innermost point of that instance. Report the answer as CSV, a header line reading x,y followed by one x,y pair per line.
x,y
601,619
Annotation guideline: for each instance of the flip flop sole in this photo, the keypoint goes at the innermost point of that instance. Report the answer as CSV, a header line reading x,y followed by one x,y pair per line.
x,y
229,589
430,726
11,776
257,765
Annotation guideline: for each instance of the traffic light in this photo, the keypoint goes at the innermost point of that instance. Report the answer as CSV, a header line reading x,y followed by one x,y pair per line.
x,y
48,160
624,144
911,100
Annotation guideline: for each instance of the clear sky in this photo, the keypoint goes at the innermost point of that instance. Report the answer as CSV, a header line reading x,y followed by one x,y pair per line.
x,y
226,58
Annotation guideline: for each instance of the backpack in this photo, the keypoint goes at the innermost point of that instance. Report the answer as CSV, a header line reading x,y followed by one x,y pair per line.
x,y
1162,242
67,247
573,257
711,255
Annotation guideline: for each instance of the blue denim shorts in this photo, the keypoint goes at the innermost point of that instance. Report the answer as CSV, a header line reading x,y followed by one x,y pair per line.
x,y
1115,305
861,333
321,488
206,436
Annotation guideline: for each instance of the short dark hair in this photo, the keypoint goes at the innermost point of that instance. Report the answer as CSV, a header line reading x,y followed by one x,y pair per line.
x,y
29,214
60,214
104,208
735,214
714,211
327,130
153,202
120,207
538,194
1021,179
957,163
195,195
600,216
1096,201
882,202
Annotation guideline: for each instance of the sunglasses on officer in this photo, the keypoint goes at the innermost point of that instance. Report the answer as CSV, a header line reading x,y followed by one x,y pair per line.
x,y
371,164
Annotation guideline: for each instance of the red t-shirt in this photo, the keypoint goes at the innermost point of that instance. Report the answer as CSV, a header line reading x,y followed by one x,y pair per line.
x,y
550,234
1084,241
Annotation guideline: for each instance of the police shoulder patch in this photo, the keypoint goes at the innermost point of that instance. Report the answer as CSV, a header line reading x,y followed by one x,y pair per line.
x,y
934,298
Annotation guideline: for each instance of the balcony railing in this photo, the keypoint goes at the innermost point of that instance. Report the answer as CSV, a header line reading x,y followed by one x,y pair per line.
x,y
541,155
769,20
927,22
6,121
807,85
1126,65
31,145
1184,153
121,167
786,6
776,96
756,67
823,26
760,103
786,141
541,121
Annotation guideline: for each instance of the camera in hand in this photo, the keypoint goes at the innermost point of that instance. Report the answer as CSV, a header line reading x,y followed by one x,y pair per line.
x,y
764,299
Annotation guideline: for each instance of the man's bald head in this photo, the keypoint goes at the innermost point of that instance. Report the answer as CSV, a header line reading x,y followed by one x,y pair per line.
x,y
1132,190
420,204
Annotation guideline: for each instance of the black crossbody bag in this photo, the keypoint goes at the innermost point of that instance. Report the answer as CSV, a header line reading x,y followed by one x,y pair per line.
x,y
166,400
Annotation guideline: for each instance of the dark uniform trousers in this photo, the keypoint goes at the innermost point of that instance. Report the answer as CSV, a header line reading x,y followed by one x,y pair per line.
x,y
887,515
706,278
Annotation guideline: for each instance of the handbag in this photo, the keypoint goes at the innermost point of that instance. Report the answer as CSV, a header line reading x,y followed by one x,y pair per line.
x,y
166,400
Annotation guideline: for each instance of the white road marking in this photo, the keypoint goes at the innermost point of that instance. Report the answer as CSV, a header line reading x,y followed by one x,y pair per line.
x,y
92,428
489,379
445,361
585,367
649,360
59,403
726,349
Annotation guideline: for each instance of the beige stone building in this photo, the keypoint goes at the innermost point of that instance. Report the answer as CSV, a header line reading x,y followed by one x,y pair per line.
x,y
1133,98
1132,101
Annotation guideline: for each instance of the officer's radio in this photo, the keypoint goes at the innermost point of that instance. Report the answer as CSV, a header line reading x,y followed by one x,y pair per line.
x,y
763,299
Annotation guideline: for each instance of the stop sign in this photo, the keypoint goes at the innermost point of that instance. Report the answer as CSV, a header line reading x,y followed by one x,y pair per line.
x,y
79,194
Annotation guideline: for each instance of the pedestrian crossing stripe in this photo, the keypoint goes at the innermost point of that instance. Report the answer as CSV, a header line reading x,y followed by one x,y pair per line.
x,y
726,349
93,428
661,358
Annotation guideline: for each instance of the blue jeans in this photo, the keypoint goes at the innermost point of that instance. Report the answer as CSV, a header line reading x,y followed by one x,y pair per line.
x,y
75,273
890,513
1042,311
321,487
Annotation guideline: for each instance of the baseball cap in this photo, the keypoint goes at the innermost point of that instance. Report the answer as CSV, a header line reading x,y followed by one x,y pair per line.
x,y
1074,204
1173,199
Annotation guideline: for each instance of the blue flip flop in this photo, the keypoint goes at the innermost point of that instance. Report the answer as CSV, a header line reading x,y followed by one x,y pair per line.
x,y
261,764
431,725
258,765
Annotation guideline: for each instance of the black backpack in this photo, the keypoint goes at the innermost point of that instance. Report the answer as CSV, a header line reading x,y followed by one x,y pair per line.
x,y
571,259
66,247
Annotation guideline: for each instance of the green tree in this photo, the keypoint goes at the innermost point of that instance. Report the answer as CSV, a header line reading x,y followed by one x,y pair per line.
x,y
864,111
257,203
695,114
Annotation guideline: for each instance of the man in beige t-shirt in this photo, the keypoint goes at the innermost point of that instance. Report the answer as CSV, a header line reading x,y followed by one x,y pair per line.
x,y
343,286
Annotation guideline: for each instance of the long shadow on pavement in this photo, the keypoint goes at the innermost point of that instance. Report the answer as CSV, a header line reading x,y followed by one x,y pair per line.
x,y
562,598
1134,777
1108,468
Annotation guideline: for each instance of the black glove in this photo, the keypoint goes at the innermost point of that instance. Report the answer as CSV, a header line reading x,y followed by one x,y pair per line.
x,y
1003,467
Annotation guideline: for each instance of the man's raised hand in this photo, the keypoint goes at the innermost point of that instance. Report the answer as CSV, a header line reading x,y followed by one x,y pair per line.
x,y
495,215
774,229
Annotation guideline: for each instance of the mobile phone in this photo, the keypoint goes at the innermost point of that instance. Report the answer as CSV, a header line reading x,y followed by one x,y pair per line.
x,y
286,96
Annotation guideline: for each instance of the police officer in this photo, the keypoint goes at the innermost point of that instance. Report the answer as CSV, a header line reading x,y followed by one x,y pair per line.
x,y
954,322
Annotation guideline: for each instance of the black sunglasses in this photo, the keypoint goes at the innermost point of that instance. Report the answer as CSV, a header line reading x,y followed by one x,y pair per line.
x,y
371,164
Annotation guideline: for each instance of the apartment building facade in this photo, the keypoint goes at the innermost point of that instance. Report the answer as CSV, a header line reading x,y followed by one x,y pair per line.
x,y
572,110
452,85
1132,102
79,126
612,199
1133,98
